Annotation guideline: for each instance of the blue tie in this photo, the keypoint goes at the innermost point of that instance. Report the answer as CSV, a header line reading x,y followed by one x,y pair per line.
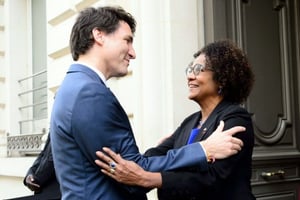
x,y
193,134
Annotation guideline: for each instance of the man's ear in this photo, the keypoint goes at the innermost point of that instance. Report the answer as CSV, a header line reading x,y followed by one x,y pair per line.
x,y
98,36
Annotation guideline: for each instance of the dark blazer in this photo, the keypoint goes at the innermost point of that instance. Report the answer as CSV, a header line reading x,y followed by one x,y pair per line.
x,y
86,116
226,179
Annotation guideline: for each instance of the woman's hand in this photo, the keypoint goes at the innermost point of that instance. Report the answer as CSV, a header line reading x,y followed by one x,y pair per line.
x,y
123,171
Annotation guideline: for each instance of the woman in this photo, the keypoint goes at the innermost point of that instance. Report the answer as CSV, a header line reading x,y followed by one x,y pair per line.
x,y
219,80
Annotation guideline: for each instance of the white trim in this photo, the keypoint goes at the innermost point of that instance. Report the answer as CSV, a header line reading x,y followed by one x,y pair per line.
x,y
21,165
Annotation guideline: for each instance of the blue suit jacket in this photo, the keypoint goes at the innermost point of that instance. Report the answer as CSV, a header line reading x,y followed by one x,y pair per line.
x,y
86,116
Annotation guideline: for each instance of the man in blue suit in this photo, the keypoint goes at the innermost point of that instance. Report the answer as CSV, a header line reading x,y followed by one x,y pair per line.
x,y
86,115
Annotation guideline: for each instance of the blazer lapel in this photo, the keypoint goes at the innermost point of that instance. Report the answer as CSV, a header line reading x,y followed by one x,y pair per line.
x,y
187,129
207,127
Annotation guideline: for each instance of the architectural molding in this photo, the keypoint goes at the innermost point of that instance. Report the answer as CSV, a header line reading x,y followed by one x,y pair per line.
x,y
2,79
85,3
129,73
130,115
62,17
60,53
2,105
53,89
24,144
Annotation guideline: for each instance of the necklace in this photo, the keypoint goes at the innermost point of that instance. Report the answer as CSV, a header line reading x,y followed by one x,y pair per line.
x,y
200,123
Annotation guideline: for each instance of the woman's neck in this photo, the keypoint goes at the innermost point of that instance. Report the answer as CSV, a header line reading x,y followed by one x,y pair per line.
x,y
208,106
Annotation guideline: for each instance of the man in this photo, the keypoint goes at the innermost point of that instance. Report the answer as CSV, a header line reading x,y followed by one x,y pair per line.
x,y
86,115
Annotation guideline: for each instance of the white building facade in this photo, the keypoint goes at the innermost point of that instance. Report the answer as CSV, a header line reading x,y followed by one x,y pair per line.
x,y
34,56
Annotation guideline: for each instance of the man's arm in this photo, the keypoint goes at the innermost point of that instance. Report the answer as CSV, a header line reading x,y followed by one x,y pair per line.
x,y
219,145
113,130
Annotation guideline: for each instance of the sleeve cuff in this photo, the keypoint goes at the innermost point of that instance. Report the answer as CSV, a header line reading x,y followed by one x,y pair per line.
x,y
209,158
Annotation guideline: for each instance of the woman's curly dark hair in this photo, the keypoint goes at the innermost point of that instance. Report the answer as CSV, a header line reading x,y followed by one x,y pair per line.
x,y
232,71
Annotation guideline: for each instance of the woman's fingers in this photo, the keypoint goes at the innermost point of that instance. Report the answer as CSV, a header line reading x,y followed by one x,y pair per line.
x,y
112,154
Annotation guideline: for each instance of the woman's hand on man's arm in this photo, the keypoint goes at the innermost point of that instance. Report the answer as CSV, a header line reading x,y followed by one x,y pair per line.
x,y
127,172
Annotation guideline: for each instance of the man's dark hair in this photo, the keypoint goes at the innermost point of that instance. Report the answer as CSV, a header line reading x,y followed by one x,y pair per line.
x,y
106,19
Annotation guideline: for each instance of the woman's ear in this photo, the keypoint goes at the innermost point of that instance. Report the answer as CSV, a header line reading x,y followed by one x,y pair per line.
x,y
220,90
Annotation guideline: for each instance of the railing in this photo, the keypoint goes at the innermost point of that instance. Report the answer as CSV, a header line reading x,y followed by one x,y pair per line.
x,y
20,145
33,111
33,98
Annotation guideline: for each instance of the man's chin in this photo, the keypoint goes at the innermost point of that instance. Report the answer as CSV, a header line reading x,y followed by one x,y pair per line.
x,y
122,74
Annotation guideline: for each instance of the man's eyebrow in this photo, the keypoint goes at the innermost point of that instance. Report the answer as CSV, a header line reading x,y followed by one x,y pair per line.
x,y
130,38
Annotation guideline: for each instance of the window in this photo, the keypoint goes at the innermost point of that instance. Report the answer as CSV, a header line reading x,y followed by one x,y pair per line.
x,y
34,87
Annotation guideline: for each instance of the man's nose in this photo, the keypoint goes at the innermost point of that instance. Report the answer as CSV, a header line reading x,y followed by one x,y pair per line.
x,y
132,53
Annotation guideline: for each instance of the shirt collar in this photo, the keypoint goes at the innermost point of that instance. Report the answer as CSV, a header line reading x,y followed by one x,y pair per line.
x,y
100,74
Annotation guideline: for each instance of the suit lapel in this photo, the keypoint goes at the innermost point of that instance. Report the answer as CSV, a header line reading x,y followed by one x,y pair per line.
x,y
95,77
